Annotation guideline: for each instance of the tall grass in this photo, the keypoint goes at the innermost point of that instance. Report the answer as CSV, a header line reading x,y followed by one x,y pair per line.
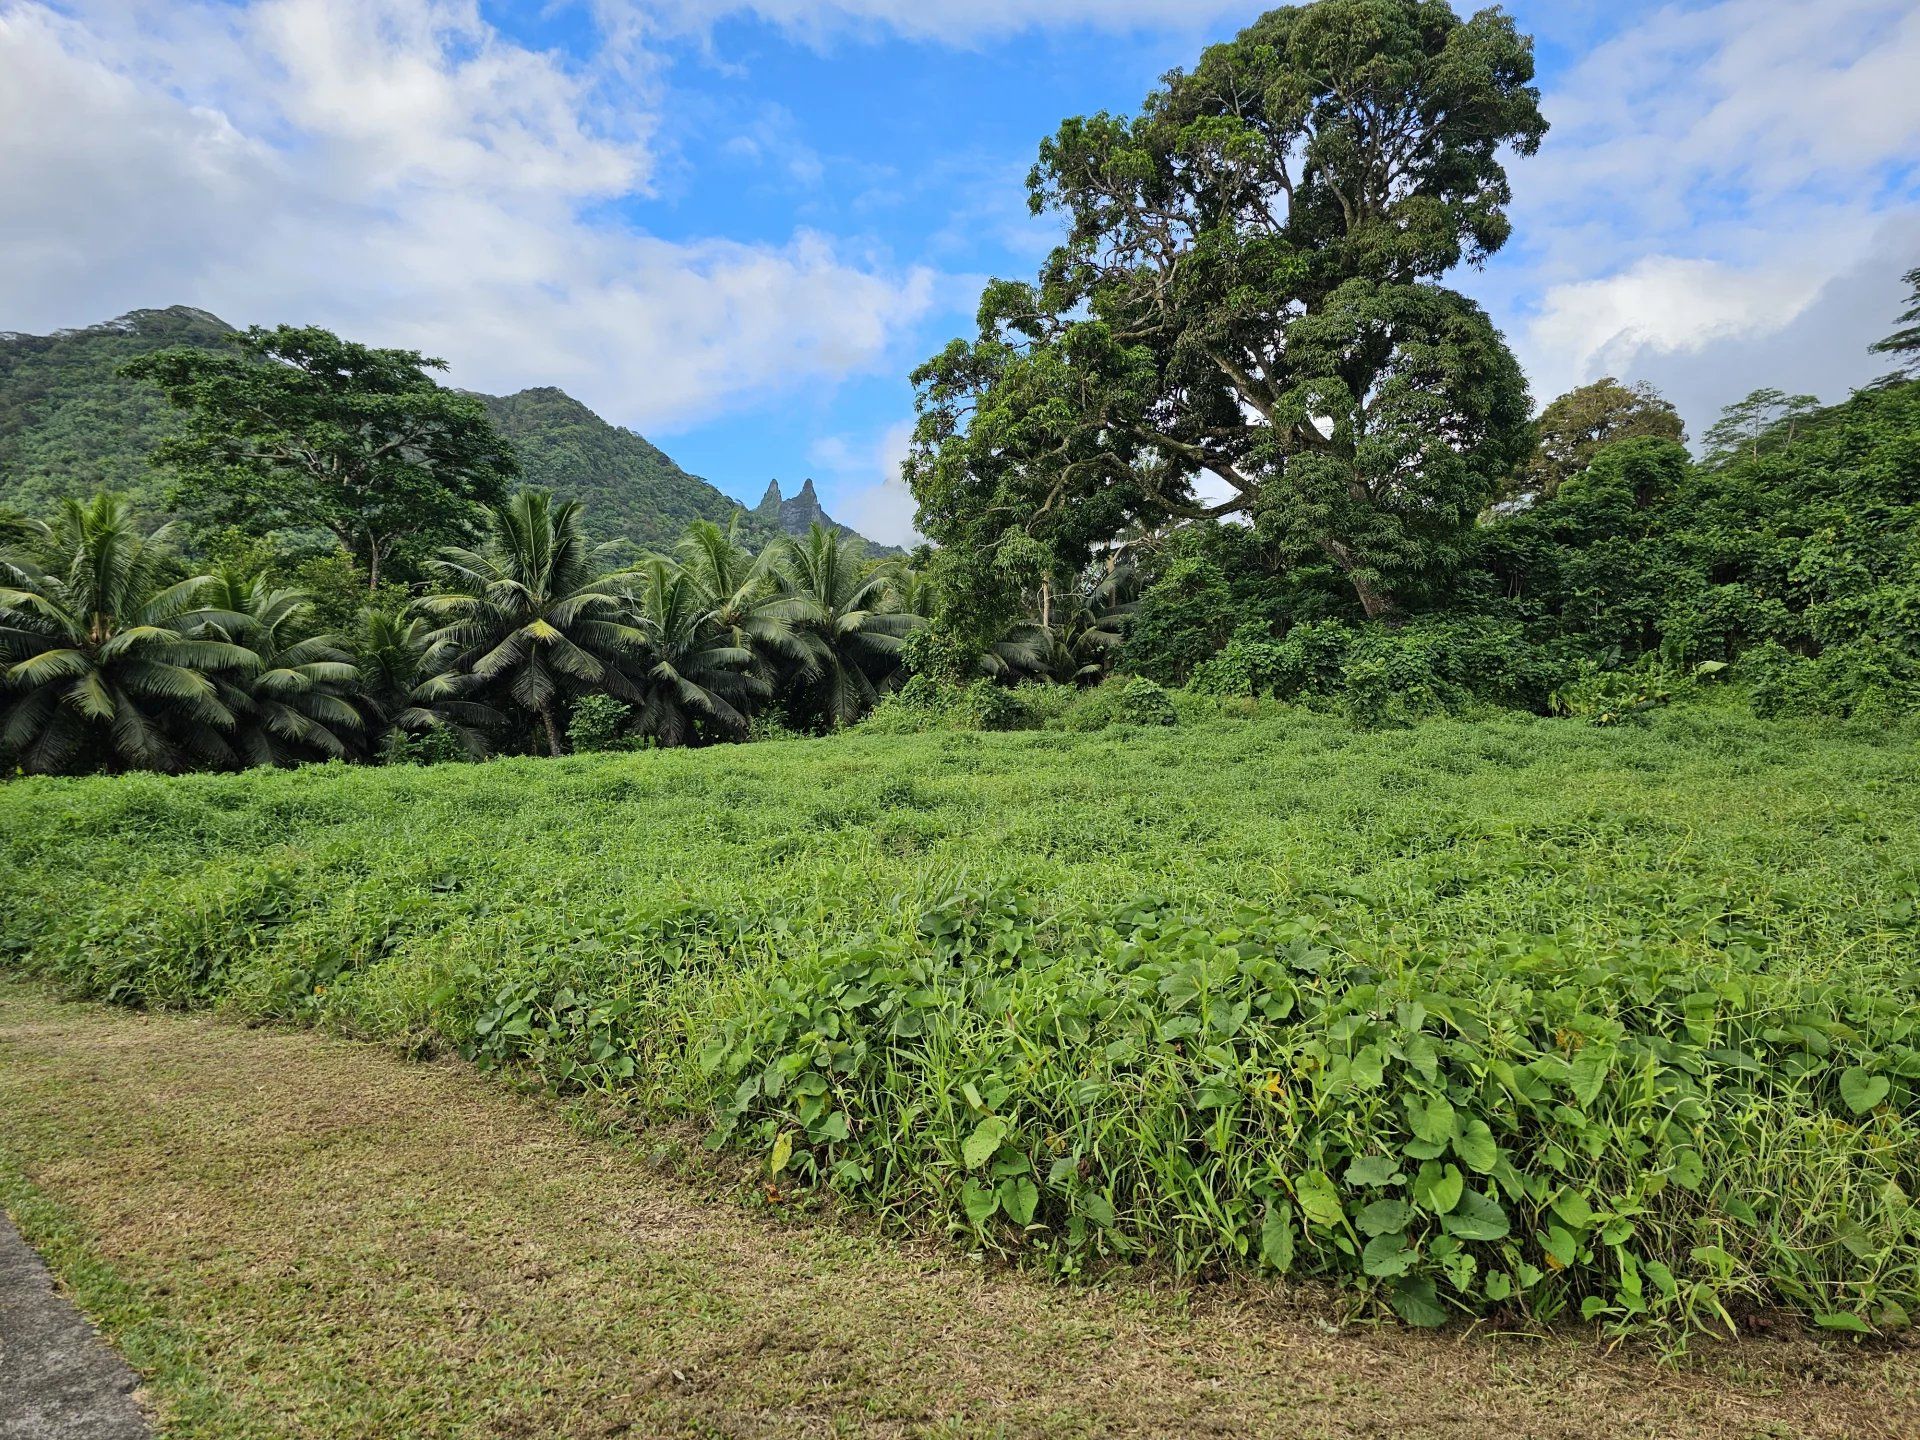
x,y
1513,1016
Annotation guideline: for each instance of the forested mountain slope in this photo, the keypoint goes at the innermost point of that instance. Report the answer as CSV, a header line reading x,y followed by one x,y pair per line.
x,y
72,425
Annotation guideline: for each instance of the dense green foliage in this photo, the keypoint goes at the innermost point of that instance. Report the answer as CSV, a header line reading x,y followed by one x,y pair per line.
x,y
110,657
71,425
295,428
1572,431
1249,296
1513,1017
1249,290
630,489
115,655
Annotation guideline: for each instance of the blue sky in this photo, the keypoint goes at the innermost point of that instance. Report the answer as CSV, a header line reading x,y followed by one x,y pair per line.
x,y
736,225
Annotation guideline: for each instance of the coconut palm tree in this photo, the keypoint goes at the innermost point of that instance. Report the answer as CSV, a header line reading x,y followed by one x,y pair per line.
x,y
697,673
742,593
106,657
533,613
402,690
297,703
1086,623
846,609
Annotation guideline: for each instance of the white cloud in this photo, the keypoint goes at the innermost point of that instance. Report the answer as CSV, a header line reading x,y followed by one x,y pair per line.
x,y
1660,306
398,170
1716,176
864,488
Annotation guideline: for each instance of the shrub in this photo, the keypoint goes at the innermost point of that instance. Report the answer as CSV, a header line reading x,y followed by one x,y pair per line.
x,y
1861,679
599,722
1381,675
924,704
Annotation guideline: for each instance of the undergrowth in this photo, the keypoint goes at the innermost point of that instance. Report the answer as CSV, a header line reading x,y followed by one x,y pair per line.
x,y
1519,1018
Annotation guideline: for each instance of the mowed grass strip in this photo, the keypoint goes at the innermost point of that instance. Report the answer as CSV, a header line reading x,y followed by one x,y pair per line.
x,y
313,1238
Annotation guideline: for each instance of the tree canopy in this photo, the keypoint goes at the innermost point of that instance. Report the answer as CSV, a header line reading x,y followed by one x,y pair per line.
x,y
1247,292
1573,429
1905,341
296,427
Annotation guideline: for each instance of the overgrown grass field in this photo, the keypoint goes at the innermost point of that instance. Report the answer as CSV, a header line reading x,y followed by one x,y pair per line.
x,y
1513,1017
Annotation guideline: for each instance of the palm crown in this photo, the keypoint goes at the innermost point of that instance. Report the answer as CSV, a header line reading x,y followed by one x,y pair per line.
x,y
103,648
533,614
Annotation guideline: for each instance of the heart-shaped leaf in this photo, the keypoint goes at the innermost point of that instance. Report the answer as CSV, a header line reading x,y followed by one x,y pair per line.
x,y
1862,1089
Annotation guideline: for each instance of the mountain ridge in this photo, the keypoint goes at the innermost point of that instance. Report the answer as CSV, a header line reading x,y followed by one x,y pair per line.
x,y
71,424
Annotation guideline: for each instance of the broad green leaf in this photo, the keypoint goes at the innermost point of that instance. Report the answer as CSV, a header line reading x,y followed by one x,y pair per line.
x,y
1384,1217
1019,1197
980,1201
1476,1146
1431,1120
1572,1207
1319,1198
1589,1074
1387,1256
1476,1218
1276,1236
1439,1187
1689,1171
1416,1300
1097,1208
1368,1068
1841,1320
1560,1247
984,1140
1373,1172
1862,1089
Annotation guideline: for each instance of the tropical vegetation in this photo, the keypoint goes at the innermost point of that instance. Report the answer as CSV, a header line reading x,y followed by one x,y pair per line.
x,y
1455,852
1512,1017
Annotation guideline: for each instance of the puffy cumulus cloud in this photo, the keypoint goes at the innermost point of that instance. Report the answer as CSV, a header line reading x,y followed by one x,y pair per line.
x,y
1660,306
400,171
1719,177
959,22
863,484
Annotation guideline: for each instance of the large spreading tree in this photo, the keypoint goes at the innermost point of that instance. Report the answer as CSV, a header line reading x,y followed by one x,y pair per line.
x,y
1248,291
295,427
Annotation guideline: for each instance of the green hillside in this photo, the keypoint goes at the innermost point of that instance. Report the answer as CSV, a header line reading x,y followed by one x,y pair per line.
x,y
631,487
72,425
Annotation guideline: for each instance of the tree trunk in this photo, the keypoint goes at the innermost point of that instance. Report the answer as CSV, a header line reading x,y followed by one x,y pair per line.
x,y
1377,604
553,730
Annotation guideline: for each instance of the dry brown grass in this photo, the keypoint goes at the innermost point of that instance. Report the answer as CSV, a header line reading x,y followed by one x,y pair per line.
x,y
294,1235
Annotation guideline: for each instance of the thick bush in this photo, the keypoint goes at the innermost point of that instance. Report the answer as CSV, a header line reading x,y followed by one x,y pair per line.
x,y
925,704
1382,675
1861,678
1463,1131
1132,700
